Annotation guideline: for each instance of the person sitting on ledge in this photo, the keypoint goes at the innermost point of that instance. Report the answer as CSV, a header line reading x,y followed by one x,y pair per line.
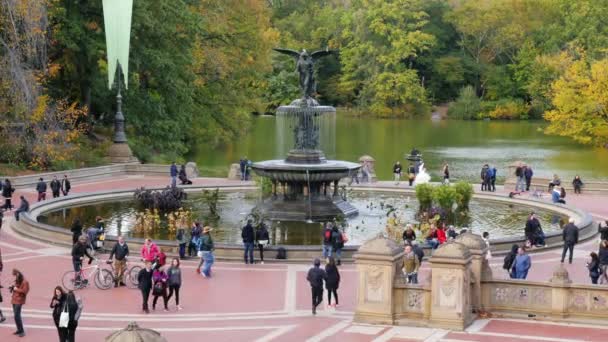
x,y
558,194
577,183
432,238
555,182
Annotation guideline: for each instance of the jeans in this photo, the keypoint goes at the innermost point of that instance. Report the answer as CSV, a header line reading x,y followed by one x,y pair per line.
x,y
326,251
173,181
248,252
493,184
77,265
243,174
182,250
397,177
434,243
528,182
604,275
174,288
520,185
17,212
208,259
568,246
329,292
17,314
317,296
338,253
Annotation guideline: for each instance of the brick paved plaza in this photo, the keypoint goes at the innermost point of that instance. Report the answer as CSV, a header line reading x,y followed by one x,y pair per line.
x,y
268,302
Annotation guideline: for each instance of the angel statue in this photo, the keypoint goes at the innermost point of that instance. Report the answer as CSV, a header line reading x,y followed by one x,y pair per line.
x,y
305,67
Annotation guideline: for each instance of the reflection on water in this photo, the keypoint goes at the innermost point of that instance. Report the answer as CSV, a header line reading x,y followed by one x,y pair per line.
x,y
465,145
500,220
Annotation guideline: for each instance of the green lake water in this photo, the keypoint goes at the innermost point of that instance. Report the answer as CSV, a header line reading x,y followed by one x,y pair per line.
x,y
465,145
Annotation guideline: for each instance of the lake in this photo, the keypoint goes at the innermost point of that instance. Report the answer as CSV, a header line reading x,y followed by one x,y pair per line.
x,y
465,145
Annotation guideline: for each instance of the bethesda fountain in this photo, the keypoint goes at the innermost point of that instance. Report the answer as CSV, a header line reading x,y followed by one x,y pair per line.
x,y
305,185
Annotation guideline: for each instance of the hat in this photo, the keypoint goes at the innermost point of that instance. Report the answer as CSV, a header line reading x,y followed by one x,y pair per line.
x,y
207,229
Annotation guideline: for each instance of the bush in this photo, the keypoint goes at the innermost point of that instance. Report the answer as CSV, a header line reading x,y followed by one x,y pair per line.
x,y
510,109
424,194
445,196
467,105
464,193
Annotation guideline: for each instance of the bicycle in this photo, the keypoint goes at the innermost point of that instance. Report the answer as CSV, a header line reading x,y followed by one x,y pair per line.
x,y
129,277
103,278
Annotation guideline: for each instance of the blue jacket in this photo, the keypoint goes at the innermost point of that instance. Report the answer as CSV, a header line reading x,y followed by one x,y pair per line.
x,y
528,173
522,264
555,196
173,170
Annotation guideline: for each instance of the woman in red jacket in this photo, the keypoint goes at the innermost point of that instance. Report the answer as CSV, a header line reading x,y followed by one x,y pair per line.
x,y
441,237
19,291
149,251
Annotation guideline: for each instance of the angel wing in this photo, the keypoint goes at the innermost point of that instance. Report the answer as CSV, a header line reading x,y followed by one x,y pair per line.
x,y
321,53
293,53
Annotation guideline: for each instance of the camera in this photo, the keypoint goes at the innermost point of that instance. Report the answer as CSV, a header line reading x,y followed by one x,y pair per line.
x,y
10,288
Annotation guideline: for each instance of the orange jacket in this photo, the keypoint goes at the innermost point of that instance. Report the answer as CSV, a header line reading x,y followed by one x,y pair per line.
x,y
20,293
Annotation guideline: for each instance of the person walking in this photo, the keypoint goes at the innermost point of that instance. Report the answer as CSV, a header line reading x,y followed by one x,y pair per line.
x,y
594,267
570,238
522,264
159,277
19,290
577,183
263,239
174,274
337,243
332,282
411,174
74,307
483,174
55,187
66,186
316,275
182,241
493,173
24,207
121,252
195,235
397,172
603,257
76,230
7,193
144,282
446,173
207,247
520,185
173,172
411,264
41,189
248,236
59,305
327,244
528,173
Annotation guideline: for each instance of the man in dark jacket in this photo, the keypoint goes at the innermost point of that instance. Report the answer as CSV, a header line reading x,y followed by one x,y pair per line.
x,y
484,173
24,207
316,276
144,282
528,173
603,230
532,227
79,250
173,171
570,237
337,243
248,235
41,189
121,251
418,251
66,186
55,187
327,242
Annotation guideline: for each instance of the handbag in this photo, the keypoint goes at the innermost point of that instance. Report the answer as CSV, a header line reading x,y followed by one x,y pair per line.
x,y
199,254
263,242
64,318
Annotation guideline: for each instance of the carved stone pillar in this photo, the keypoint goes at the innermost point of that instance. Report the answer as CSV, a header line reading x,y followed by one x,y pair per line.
x,y
378,262
560,282
451,287
480,269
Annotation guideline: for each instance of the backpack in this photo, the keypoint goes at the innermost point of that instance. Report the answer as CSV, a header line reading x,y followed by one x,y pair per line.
x,y
508,261
281,253
79,309
327,236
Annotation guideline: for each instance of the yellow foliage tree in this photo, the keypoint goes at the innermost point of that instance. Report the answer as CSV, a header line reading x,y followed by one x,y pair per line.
x,y
580,98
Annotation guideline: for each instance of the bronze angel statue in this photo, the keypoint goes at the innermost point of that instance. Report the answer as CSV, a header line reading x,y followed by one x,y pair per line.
x,y
305,67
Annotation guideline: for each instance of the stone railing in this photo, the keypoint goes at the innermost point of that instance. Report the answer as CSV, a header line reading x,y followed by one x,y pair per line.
x,y
557,299
460,286
92,174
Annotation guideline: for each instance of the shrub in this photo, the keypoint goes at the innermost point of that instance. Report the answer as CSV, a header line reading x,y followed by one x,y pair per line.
x,y
424,194
510,109
464,193
467,105
445,196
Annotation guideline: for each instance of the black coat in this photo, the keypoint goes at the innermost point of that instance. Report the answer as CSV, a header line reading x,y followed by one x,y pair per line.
x,y
41,186
144,279
603,231
603,254
76,229
262,234
570,233
315,276
7,190
79,250
333,277
248,234
57,306
532,226
55,185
